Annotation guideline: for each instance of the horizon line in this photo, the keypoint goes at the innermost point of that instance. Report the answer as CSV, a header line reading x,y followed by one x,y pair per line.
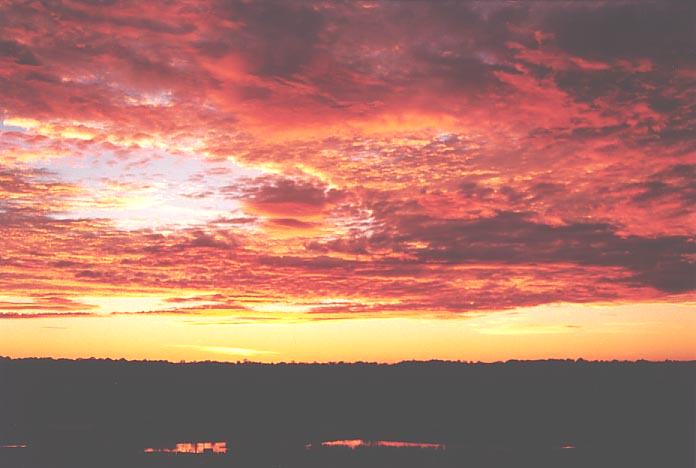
x,y
345,363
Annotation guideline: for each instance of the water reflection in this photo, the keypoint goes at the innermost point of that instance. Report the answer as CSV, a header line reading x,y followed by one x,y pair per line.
x,y
361,443
192,447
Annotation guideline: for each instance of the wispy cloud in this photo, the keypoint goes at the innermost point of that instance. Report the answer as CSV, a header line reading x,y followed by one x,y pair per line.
x,y
526,329
228,350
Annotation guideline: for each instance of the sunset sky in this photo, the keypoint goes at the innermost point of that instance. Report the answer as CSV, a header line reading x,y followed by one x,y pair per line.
x,y
325,181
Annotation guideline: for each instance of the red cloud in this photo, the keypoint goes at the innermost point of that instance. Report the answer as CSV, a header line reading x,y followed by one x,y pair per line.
x,y
415,158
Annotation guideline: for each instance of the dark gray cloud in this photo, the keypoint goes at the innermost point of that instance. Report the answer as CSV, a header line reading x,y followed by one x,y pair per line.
x,y
665,262
660,30
17,52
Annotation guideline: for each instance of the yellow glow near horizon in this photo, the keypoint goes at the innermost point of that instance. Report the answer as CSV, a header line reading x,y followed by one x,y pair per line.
x,y
630,331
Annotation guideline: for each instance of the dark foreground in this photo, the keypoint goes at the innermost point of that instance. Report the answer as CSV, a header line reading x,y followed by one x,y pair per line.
x,y
96,413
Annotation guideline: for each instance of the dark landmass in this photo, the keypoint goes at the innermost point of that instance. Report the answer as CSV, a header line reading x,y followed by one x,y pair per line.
x,y
104,413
